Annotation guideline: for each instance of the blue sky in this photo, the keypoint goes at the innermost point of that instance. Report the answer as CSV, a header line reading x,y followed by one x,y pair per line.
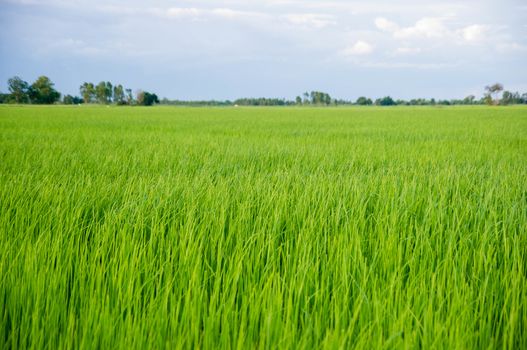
x,y
192,49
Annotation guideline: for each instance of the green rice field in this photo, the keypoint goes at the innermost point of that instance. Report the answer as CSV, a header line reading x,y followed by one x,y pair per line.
x,y
263,228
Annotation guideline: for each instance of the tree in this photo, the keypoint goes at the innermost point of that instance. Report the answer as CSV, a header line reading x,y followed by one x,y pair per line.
x,y
140,97
385,101
511,98
43,92
109,92
507,98
469,100
363,101
129,97
87,91
145,98
298,100
71,100
18,89
306,97
318,97
118,95
262,101
493,92
103,92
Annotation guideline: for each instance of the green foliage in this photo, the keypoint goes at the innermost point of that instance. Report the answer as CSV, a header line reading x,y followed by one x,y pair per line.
x,y
106,93
129,98
42,91
298,100
71,100
469,100
18,89
364,101
511,98
118,95
145,98
492,93
196,103
87,91
103,92
262,101
385,101
366,228
320,98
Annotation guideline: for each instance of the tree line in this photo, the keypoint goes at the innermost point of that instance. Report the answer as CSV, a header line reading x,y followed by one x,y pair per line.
x,y
42,91
317,98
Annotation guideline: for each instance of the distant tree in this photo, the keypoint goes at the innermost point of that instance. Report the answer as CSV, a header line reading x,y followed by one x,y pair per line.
x,y
118,95
364,101
67,99
517,98
129,97
4,98
100,92
19,90
493,92
151,99
166,101
103,92
385,101
109,92
306,98
524,98
71,100
511,98
43,92
145,98
469,100
140,97
87,91
319,98
298,100
507,98
262,101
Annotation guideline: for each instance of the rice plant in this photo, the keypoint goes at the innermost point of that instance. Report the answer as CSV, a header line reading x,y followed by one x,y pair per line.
x,y
263,228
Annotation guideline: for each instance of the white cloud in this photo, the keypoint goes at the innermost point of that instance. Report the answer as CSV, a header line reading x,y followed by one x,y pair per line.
x,y
511,47
474,33
360,48
183,12
228,13
408,50
196,13
78,47
428,27
434,28
409,65
311,20
386,25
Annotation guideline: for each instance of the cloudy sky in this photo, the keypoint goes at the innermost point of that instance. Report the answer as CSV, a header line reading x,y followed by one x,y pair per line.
x,y
194,49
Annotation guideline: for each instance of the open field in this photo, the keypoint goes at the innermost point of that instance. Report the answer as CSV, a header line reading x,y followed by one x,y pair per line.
x,y
269,228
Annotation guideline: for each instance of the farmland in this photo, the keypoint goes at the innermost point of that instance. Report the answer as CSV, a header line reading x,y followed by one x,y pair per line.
x,y
263,227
